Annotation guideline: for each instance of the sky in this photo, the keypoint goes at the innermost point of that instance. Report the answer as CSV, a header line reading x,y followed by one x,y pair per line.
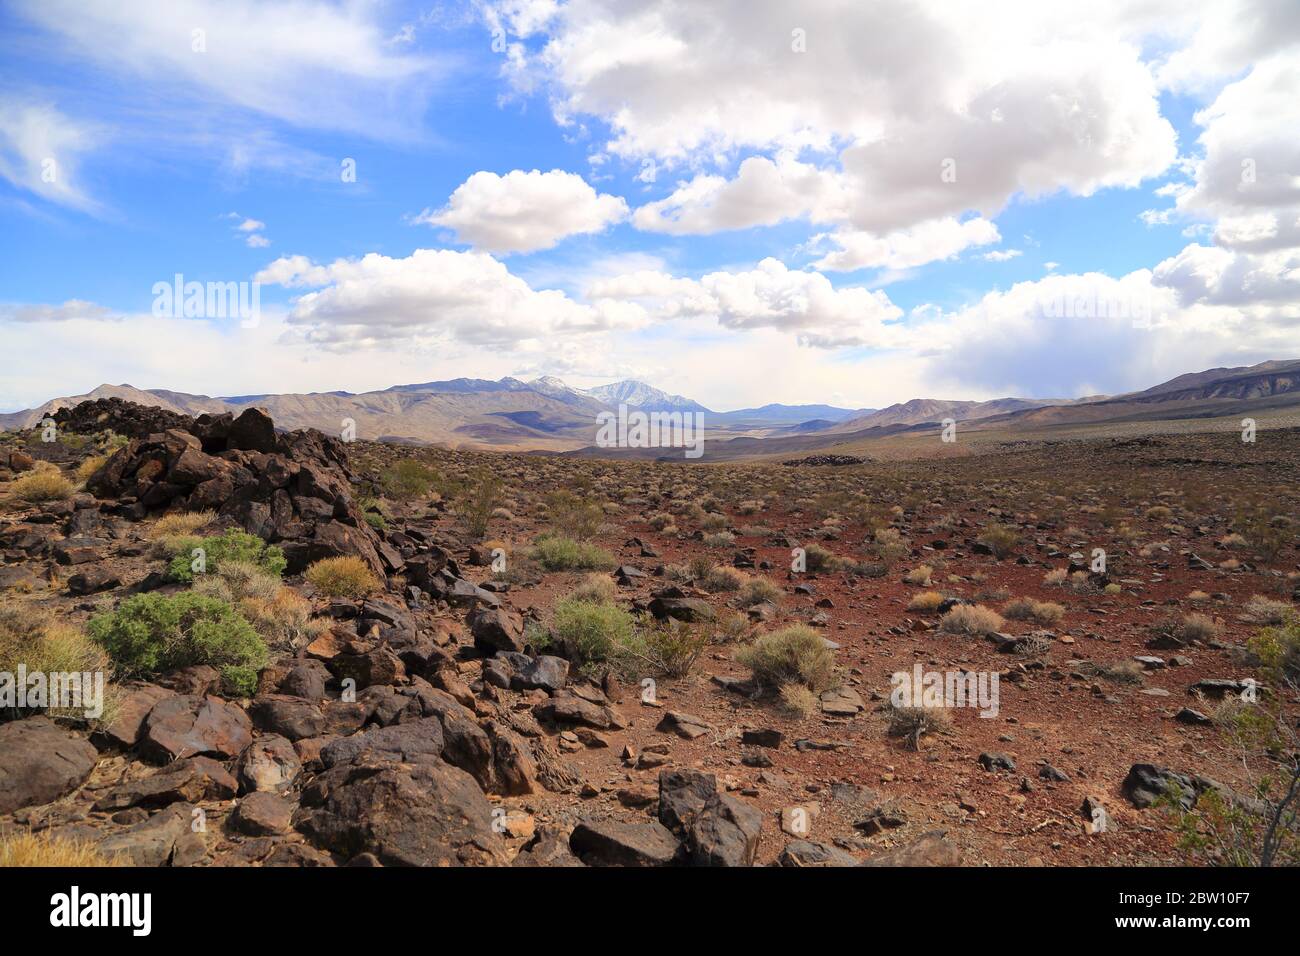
x,y
855,202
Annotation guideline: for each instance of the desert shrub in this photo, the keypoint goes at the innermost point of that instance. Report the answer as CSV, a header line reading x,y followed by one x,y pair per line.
x,y
1198,627
971,619
595,589
573,516
795,654
590,632
911,723
1198,597
1027,609
1056,576
1117,672
926,602
660,522
796,700
232,545
407,480
817,558
1159,513
343,577
731,627
757,591
919,576
45,483
678,573
180,524
722,578
669,648
999,539
24,848
477,502
235,580
35,639
713,522
153,633
284,618
888,546
1267,611
90,466
720,539
555,553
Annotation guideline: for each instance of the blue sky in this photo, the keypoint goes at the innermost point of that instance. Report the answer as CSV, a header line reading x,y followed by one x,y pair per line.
x,y
1094,148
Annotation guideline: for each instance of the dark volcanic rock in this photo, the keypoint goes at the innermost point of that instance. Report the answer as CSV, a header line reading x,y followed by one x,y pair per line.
x,y
611,843
425,814
40,762
191,725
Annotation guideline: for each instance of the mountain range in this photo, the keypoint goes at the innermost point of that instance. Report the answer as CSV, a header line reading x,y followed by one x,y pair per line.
x,y
545,414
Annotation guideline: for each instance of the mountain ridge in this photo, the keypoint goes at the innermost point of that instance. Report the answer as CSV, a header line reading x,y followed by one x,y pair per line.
x,y
547,414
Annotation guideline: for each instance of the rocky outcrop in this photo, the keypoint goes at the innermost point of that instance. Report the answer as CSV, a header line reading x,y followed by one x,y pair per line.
x,y
291,489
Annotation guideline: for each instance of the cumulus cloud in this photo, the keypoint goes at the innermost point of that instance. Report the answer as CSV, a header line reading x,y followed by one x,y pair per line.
x,y
770,296
1248,178
432,295
912,111
1072,335
525,211
906,248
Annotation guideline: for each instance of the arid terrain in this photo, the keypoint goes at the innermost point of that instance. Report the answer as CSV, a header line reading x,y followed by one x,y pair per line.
x,y
469,686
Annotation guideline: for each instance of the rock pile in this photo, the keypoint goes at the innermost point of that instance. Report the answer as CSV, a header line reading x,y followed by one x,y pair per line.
x,y
289,489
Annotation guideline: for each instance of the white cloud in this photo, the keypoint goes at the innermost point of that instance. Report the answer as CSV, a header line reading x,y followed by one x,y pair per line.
x,y
68,311
1069,335
769,296
308,62
41,151
1019,101
907,248
525,211
1001,255
763,193
1249,176
432,295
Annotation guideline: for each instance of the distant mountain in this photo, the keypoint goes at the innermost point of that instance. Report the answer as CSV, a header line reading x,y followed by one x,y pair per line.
x,y
920,410
789,414
636,394
545,414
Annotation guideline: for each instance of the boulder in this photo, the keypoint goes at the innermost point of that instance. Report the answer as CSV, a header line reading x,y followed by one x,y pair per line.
x,y
425,814
191,725
496,629
40,762
611,843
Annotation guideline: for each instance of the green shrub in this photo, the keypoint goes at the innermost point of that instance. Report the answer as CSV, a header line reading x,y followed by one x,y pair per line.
x,y
233,545
407,480
477,501
573,516
795,654
590,632
153,633
565,554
